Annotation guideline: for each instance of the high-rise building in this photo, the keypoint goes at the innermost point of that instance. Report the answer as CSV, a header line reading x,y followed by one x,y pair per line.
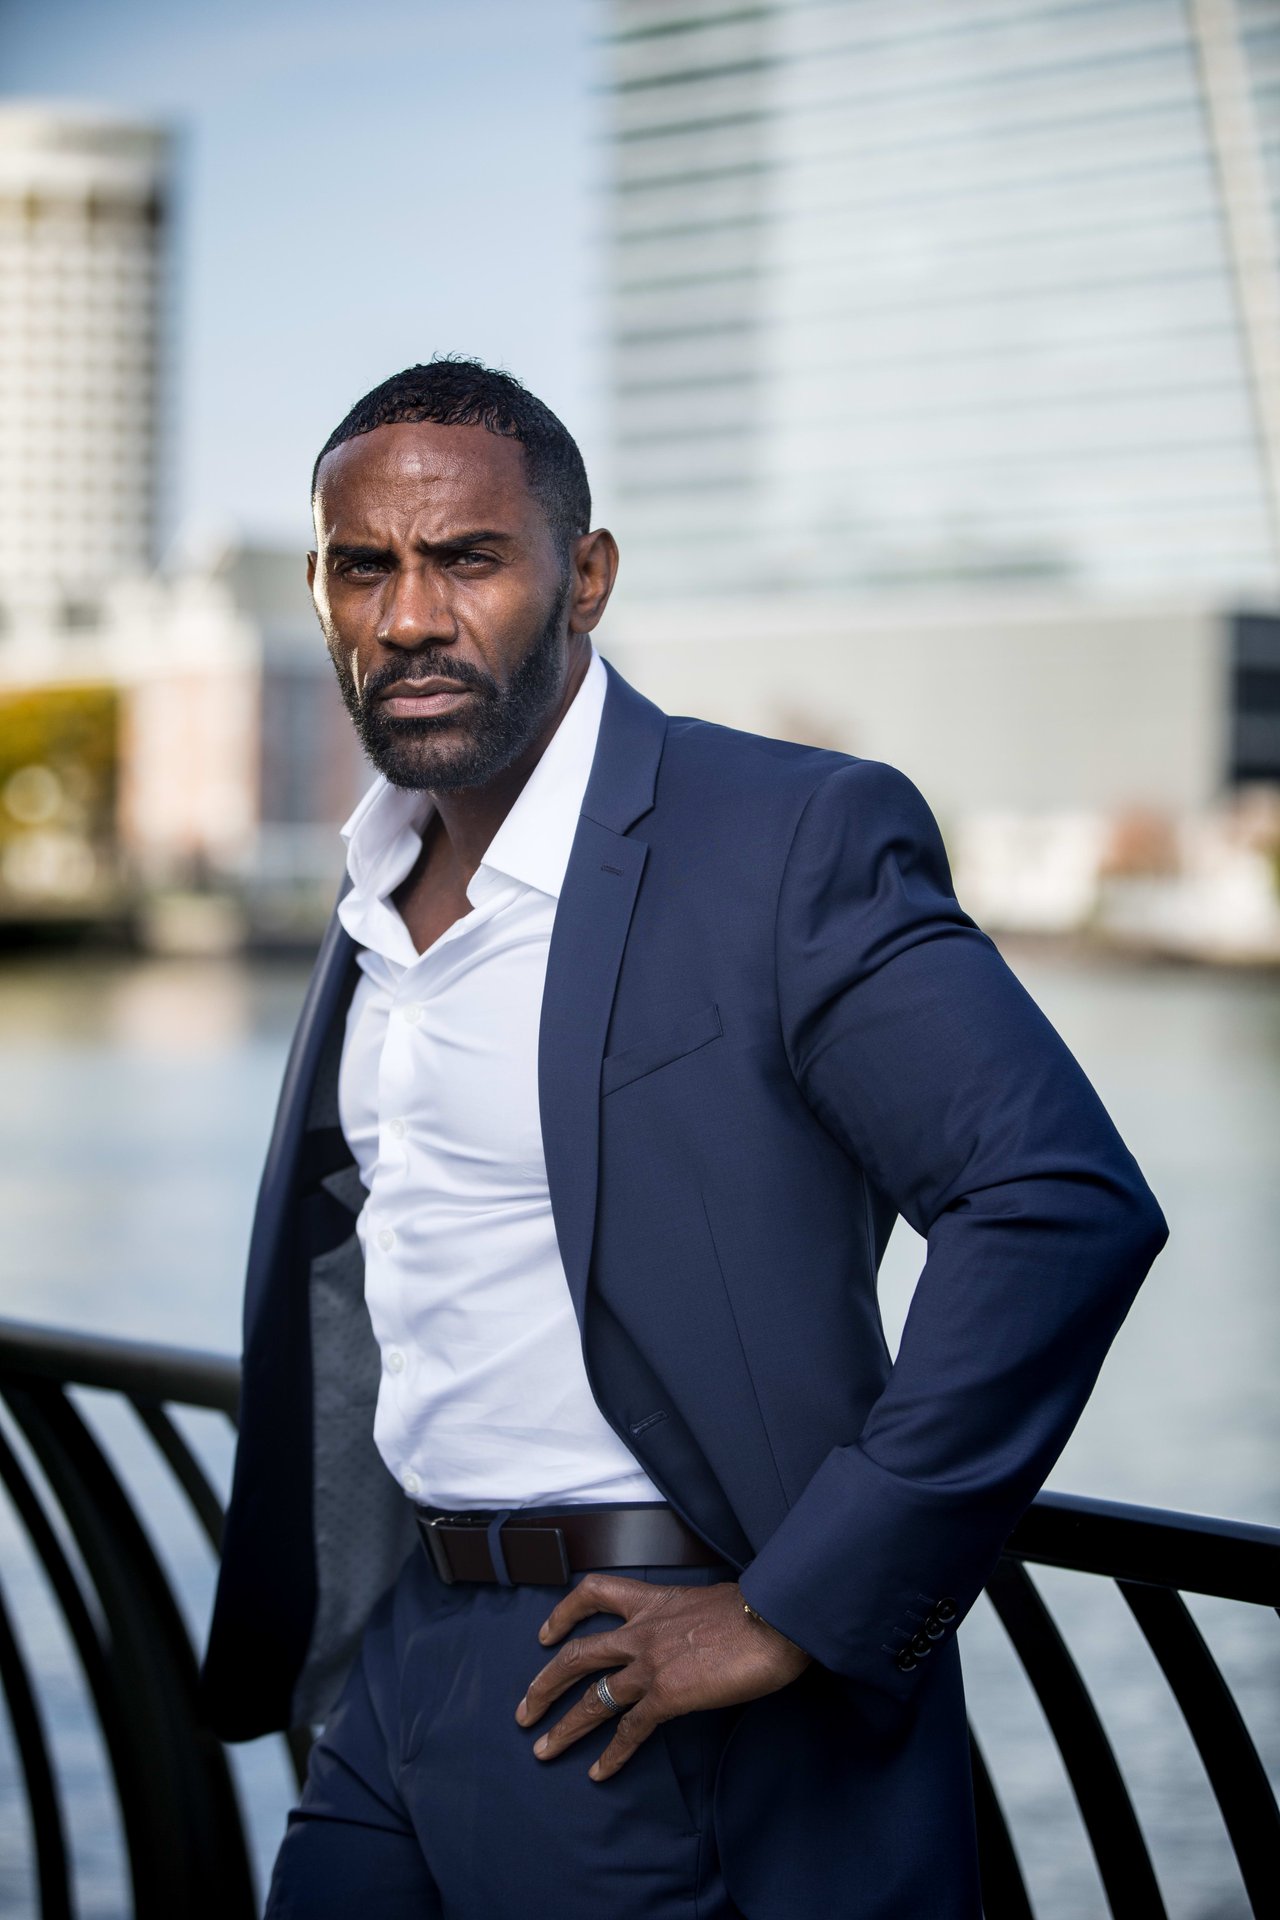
x,y
954,291
83,203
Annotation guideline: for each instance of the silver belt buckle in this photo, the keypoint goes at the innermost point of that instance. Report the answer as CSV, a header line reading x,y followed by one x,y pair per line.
x,y
436,1551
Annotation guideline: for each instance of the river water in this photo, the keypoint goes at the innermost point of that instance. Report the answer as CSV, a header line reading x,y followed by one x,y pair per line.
x,y
135,1105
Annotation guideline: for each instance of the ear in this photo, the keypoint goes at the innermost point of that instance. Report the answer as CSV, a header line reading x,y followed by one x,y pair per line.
x,y
594,562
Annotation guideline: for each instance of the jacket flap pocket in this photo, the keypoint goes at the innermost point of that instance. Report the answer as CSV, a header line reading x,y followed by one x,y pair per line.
x,y
694,1031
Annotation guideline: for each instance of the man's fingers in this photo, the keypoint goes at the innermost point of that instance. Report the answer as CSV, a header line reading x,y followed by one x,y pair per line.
x,y
632,1729
586,1714
576,1657
597,1593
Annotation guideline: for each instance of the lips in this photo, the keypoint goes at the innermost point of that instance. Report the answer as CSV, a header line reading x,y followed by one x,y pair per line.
x,y
407,701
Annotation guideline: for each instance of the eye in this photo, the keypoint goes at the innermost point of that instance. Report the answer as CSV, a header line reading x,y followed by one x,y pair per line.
x,y
473,557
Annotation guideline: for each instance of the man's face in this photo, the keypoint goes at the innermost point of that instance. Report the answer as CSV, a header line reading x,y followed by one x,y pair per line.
x,y
443,598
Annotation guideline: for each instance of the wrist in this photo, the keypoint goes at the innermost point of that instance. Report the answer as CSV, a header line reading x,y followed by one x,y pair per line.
x,y
759,1623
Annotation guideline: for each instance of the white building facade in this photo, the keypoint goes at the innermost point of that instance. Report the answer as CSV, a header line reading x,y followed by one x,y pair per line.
x,y
83,240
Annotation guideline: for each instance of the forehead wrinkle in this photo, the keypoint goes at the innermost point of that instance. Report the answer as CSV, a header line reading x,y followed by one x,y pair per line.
x,y
386,519
424,450
402,487
433,526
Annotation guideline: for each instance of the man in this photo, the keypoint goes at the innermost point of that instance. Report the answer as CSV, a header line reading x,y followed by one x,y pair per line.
x,y
577,1496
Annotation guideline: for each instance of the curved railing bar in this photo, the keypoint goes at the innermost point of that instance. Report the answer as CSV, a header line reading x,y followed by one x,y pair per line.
x,y
48,1835
140,1369
149,1374
1124,1864
186,1469
199,1491
1004,1891
108,1704
1231,1559
1222,1740
187,1853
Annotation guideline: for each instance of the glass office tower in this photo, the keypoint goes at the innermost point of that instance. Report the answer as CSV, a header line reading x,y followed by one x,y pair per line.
x,y
922,292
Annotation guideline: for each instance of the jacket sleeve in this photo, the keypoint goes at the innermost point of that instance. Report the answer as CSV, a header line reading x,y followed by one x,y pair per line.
x,y
920,1052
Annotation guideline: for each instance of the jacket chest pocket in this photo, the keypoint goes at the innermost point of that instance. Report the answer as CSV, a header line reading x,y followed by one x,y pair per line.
x,y
686,1036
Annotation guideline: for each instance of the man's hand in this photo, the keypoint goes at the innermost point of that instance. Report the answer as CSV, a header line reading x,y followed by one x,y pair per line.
x,y
678,1650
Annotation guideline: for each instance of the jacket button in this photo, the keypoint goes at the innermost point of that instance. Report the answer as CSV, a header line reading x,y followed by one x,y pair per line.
x,y
921,1644
946,1609
906,1660
934,1627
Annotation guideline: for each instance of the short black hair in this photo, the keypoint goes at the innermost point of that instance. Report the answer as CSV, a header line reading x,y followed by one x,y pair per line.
x,y
463,393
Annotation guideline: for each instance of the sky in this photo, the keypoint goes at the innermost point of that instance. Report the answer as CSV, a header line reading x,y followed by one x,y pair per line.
x,y
361,184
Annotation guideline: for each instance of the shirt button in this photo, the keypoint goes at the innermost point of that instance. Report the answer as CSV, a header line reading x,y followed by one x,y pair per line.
x,y
410,1481
386,1239
395,1360
413,1014
396,1128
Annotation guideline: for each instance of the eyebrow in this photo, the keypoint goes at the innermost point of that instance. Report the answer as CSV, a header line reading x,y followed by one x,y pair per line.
x,y
456,543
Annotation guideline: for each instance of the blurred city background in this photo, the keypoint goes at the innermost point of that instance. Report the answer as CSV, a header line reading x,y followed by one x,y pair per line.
x,y
926,359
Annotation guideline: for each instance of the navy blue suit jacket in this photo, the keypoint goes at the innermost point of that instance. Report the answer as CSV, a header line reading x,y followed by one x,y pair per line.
x,y
767,1030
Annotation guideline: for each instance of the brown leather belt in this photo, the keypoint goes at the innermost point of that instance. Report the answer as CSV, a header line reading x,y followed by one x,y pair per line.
x,y
545,1549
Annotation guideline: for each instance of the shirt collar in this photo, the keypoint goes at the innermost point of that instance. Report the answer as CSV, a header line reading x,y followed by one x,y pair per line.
x,y
378,829
535,840
384,833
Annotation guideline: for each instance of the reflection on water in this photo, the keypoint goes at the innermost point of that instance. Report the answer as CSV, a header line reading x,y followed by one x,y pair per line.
x,y
134,1110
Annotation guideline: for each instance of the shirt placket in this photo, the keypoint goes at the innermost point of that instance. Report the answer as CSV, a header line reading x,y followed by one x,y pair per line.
x,y
403,1056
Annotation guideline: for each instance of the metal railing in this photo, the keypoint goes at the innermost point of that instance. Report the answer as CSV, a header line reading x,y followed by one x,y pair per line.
x,y
183,1833
184,1837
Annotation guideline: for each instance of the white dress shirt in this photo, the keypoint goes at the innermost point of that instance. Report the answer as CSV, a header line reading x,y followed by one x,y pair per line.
x,y
483,1399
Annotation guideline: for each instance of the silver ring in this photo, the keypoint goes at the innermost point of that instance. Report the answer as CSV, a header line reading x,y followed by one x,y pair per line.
x,y
605,1698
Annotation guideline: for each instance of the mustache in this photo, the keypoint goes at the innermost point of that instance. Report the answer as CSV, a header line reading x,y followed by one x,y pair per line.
x,y
425,666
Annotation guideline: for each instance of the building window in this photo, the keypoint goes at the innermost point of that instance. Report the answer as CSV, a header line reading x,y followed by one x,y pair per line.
x,y
81,616
1255,697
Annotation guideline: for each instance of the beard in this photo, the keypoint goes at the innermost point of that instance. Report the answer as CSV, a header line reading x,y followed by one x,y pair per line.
x,y
445,753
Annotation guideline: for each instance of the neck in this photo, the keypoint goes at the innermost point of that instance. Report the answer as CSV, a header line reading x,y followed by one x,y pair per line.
x,y
469,818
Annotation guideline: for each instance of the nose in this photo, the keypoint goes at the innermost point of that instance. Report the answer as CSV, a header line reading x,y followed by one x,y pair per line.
x,y
417,612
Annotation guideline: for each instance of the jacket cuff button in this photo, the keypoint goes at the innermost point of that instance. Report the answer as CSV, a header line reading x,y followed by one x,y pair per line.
x,y
946,1609
906,1660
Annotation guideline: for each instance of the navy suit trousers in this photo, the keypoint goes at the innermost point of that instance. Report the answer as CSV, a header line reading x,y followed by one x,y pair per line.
x,y
423,1800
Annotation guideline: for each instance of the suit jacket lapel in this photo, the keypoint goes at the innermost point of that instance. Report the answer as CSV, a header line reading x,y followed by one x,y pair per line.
x,y
592,921
331,981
